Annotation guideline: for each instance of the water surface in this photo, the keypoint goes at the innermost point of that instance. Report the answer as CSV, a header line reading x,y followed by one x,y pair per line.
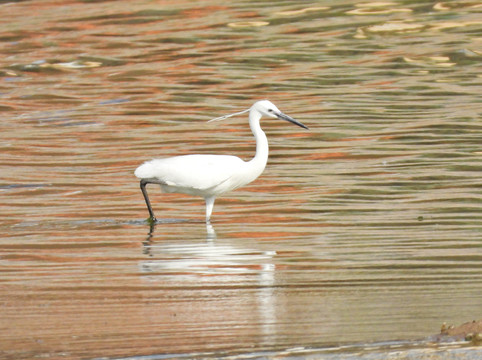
x,y
367,228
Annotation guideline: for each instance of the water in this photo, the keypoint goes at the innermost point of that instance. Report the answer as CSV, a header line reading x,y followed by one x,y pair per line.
x,y
365,229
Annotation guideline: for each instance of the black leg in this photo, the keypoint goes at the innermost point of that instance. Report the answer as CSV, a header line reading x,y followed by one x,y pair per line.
x,y
146,198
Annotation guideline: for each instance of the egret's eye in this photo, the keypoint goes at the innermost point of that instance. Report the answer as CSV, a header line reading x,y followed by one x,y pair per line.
x,y
270,110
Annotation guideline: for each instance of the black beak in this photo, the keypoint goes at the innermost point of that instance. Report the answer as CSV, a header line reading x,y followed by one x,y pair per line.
x,y
280,115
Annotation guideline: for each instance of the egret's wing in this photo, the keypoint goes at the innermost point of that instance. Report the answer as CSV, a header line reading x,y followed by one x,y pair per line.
x,y
199,172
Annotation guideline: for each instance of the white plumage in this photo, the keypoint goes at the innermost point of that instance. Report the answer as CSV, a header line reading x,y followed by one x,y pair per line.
x,y
203,175
211,175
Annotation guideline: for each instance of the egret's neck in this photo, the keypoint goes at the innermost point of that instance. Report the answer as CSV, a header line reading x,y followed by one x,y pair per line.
x,y
262,148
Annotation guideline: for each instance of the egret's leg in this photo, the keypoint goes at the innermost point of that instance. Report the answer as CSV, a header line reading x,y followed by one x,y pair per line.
x,y
146,198
209,207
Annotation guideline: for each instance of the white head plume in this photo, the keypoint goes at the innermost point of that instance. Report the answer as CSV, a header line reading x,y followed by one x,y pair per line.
x,y
228,116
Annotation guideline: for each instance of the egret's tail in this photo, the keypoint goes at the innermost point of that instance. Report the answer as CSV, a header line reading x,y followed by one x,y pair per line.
x,y
144,171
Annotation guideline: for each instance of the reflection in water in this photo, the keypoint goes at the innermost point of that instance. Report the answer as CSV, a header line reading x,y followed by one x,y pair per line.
x,y
365,229
210,235
191,263
147,243
206,256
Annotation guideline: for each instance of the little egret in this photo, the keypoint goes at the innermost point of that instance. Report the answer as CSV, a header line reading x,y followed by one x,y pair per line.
x,y
211,175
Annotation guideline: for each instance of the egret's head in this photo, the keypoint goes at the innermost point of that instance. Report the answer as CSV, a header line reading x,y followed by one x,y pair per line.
x,y
267,108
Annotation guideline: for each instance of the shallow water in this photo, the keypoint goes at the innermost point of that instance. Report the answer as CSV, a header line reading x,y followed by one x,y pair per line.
x,y
367,228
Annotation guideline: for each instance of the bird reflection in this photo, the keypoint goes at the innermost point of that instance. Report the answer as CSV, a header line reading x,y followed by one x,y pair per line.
x,y
199,256
210,232
214,264
147,243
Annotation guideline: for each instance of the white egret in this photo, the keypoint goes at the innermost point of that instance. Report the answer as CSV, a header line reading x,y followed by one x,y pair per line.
x,y
211,175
